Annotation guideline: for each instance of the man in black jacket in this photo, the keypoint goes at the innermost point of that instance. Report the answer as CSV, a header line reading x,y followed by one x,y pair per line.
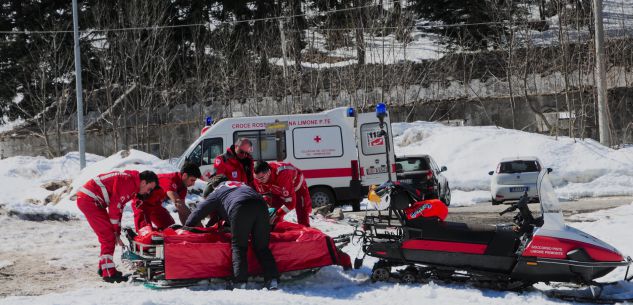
x,y
247,213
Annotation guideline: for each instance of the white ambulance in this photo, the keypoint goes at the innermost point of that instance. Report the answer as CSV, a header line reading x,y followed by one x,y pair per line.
x,y
340,152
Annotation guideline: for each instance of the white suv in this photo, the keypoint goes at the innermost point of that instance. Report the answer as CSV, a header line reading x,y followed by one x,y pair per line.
x,y
513,177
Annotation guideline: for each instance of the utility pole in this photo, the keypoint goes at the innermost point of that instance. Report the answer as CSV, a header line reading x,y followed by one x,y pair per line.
x,y
79,90
601,75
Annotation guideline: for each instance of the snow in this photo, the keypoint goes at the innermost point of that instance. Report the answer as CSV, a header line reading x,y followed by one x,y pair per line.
x,y
426,45
462,198
123,160
582,168
4,264
10,125
387,49
330,285
22,179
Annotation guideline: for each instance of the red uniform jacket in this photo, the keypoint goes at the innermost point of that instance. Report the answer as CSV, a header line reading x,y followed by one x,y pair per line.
x,y
285,181
167,182
233,168
113,190
172,182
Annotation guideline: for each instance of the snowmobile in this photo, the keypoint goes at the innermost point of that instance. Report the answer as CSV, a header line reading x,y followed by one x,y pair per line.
x,y
421,246
185,257
513,256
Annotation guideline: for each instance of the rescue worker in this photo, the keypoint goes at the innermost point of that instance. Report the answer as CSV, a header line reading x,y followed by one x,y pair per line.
x,y
285,189
102,200
247,213
173,186
237,163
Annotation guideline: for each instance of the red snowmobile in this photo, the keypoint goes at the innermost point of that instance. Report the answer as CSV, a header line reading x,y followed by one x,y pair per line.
x,y
512,256
178,257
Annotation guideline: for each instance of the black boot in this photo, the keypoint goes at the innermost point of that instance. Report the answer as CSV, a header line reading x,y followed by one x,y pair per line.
x,y
118,277
229,285
272,284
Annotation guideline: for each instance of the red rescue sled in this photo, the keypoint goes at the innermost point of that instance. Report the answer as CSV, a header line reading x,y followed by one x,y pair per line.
x,y
205,253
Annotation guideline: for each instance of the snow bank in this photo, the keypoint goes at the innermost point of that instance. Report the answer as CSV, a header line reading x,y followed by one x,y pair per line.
x,y
22,179
122,160
582,168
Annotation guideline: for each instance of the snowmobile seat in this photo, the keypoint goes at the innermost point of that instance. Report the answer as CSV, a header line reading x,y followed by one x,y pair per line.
x,y
451,231
499,242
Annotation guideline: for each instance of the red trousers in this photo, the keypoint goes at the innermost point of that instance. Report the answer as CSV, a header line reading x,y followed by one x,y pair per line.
x,y
151,212
304,206
99,221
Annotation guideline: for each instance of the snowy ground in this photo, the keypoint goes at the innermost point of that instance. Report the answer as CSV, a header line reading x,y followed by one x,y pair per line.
x,y
63,257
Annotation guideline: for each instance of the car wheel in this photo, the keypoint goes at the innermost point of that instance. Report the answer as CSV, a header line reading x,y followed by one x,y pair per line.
x,y
321,196
447,196
495,202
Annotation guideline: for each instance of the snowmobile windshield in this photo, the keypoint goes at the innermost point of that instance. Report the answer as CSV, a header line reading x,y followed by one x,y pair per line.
x,y
550,206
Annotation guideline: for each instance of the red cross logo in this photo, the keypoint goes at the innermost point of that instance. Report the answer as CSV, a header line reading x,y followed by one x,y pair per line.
x,y
317,139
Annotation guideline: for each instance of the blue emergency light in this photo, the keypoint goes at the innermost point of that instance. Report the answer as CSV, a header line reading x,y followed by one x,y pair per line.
x,y
351,112
209,121
381,110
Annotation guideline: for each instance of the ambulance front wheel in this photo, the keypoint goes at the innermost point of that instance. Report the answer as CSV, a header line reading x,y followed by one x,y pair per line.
x,y
322,196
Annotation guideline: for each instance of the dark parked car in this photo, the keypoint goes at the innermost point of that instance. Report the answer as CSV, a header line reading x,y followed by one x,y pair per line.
x,y
422,172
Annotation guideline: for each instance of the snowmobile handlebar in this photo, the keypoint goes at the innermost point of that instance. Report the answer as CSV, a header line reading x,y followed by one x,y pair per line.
x,y
524,217
522,203
508,210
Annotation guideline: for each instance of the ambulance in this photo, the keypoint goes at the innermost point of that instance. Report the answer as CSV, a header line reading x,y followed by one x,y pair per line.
x,y
340,152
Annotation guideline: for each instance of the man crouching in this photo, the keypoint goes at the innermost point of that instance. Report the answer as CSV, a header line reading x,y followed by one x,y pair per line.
x,y
247,213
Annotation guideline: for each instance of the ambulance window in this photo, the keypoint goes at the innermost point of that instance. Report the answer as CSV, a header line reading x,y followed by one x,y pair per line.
x,y
264,144
211,149
372,142
195,155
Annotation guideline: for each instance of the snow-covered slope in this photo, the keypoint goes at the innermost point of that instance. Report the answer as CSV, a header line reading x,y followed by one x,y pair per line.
x,y
582,168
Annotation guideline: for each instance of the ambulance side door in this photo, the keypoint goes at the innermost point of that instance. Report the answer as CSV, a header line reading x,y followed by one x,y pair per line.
x,y
371,149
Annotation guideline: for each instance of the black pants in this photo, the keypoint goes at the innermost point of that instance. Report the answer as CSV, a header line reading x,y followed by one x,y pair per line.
x,y
251,218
